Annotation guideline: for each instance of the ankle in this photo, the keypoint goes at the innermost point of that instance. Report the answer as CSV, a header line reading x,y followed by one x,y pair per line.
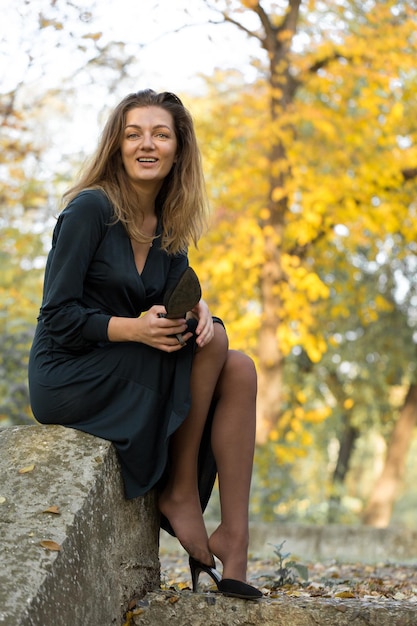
x,y
231,548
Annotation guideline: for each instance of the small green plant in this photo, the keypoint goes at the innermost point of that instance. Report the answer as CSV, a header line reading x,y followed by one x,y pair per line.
x,y
288,572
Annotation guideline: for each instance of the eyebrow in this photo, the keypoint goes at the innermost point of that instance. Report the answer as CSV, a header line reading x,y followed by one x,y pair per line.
x,y
153,127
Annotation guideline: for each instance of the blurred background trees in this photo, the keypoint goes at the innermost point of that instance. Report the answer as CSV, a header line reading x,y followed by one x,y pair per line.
x,y
311,167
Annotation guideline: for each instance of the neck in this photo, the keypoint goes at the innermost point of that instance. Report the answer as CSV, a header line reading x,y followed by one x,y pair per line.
x,y
147,197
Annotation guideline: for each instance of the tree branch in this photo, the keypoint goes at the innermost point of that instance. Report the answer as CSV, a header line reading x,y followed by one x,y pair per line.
x,y
289,22
409,173
230,20
319,65
291,18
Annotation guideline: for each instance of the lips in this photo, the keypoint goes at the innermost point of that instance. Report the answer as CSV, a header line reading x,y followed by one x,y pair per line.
x,y
147,160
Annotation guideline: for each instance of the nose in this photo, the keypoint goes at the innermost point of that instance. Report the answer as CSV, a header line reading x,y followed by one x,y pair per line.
x,y
147,141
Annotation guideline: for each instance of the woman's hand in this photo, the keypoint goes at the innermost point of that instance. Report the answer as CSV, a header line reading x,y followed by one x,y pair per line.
x,y
152,328
205,326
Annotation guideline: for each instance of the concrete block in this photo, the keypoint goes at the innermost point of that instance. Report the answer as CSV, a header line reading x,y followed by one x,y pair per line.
x,y
107,546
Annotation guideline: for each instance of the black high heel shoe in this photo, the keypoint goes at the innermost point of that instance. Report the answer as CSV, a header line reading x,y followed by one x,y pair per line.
x,y
184,295
226,586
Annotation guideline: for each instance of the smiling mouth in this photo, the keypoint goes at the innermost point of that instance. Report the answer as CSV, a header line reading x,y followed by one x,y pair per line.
x,y
147,160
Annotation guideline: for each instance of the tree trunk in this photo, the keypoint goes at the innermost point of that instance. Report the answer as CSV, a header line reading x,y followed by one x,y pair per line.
x,y
378,511
347,444
271,358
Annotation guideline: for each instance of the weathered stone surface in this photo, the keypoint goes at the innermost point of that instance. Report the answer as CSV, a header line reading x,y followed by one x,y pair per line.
x,y
188,609
109,546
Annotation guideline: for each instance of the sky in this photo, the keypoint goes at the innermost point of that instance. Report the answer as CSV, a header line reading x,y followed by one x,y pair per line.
x,y
175,53
172,40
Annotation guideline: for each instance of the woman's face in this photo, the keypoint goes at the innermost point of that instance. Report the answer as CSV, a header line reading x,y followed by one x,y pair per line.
x,y
149,146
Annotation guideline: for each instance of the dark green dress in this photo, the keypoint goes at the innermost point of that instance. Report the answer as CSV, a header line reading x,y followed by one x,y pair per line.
x,y
129,393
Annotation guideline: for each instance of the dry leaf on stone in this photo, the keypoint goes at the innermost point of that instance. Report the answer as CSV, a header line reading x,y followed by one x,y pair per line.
x,y
52,509
173,599
27,469
2,499
48,544
344,594
182,586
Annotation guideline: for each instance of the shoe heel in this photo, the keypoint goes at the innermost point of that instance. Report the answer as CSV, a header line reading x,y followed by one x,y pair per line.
x,y
195,570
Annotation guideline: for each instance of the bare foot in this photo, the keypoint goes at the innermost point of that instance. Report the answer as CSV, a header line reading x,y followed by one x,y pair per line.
x,y
186,519
232,550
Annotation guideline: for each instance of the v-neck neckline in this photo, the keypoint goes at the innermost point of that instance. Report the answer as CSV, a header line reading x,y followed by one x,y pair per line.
x,y
149,253
141,271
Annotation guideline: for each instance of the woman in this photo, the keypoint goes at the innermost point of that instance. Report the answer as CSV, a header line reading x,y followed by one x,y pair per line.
x,y
106,358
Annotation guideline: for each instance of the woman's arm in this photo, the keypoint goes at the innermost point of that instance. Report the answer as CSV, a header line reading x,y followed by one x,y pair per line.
x,y
77,234
150,329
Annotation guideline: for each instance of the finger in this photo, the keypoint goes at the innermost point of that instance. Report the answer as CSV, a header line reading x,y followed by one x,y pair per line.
x,y
159,310
204,339
205,329
181,339
171,347
172,324
175,342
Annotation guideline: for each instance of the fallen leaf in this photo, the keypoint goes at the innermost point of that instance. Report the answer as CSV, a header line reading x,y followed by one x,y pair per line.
x,y
399,596
344,594
52,509
315,585
2,499
173,599
27,469
48,544
182,586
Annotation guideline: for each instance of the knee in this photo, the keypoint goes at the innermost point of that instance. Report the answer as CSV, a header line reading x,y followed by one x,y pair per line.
x,y
220,341
240,367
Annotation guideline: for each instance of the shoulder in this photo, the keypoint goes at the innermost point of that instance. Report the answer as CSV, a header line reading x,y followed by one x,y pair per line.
x,y
92,202
88,215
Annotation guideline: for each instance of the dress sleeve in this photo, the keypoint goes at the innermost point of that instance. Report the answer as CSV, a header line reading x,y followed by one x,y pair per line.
x,y
79,230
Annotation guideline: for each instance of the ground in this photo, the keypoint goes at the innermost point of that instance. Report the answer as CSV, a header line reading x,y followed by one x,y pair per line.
x,y
327,580
336,594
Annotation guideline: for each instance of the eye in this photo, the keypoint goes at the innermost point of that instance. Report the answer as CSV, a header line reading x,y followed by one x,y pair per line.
x,y
162,135
132,136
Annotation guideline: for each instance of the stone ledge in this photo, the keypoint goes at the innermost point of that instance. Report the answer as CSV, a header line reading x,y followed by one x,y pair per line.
x,y
166,608
109,546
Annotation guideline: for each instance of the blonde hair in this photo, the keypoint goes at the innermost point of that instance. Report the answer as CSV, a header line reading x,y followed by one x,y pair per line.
x,y
182,201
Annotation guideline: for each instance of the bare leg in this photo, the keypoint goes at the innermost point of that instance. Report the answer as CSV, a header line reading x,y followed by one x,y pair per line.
x,y
233,441
180,502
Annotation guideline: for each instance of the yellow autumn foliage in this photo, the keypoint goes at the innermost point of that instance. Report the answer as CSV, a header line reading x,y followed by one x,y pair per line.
x,y
282,183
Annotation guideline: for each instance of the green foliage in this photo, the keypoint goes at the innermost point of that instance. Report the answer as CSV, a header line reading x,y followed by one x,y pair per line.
x,y
288,572
20,295
14,394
